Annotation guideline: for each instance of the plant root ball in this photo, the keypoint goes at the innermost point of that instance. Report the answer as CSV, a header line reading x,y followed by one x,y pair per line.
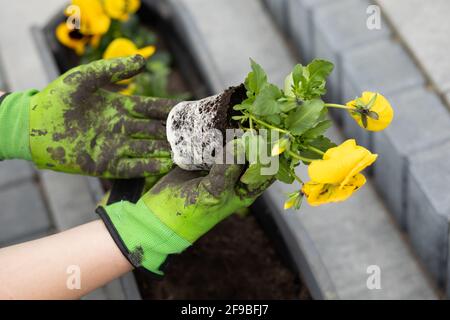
x,y
196,130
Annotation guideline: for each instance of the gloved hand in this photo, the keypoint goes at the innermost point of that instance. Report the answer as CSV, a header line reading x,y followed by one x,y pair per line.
x,y
177,211
75,125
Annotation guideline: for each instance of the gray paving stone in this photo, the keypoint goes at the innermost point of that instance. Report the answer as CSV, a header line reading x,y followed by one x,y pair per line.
x,y
383,67
300,18
3,86
424,27
421,122
339,27
22,212
339,241
278,9
223,40
71,201
428,210
21,59
14,170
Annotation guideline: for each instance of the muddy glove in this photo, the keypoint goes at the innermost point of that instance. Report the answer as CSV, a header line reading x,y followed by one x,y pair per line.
x,y
177,211
76,126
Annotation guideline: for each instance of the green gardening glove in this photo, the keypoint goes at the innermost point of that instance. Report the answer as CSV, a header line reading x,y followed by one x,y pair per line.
x,y
177,211
75,125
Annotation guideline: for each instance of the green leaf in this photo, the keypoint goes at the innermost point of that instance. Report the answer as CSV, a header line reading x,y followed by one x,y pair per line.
x,y
304,117
266,103
372,101
288,104
289,86
309,82
373,115
256,79
253,175
319,70
322,143
318,130
292,80
298,73
245,105
284,172
274,119
253,143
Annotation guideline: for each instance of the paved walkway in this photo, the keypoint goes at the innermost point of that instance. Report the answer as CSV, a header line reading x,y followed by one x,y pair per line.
x,y
424,27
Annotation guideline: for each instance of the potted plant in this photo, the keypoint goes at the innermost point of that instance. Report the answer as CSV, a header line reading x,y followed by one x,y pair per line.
x,y
295,118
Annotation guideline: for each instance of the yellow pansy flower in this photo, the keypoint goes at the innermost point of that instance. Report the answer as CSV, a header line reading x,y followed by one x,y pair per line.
x,y
72,39
123,47
337,175
372,111
93,20
121,9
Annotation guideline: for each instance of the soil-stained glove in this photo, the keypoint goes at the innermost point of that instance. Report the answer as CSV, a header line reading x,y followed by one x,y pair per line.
x,y
177,211
76,126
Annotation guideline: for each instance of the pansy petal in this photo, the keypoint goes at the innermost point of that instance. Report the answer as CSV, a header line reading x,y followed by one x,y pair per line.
x,y
340,163
146,52
317,193
120,47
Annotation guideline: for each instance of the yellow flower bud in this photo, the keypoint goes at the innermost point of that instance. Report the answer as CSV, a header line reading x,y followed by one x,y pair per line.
x,y
294,200
280,146
377,115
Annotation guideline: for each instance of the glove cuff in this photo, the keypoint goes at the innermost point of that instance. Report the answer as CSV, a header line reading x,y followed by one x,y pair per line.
x,y
14,125
140,235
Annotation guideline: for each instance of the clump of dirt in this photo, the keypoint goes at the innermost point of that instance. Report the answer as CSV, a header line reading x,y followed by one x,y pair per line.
x,y
196,130
235,260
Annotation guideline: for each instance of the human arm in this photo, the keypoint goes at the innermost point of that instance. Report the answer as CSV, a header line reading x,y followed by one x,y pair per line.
x,y
169,218
39,269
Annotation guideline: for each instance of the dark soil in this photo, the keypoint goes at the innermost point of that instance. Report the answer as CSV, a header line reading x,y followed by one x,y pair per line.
x,y
235,260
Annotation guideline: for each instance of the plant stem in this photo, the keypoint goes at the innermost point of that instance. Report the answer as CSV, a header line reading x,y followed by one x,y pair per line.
x,y
299,157
339,106
318,151
265,124
296,177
